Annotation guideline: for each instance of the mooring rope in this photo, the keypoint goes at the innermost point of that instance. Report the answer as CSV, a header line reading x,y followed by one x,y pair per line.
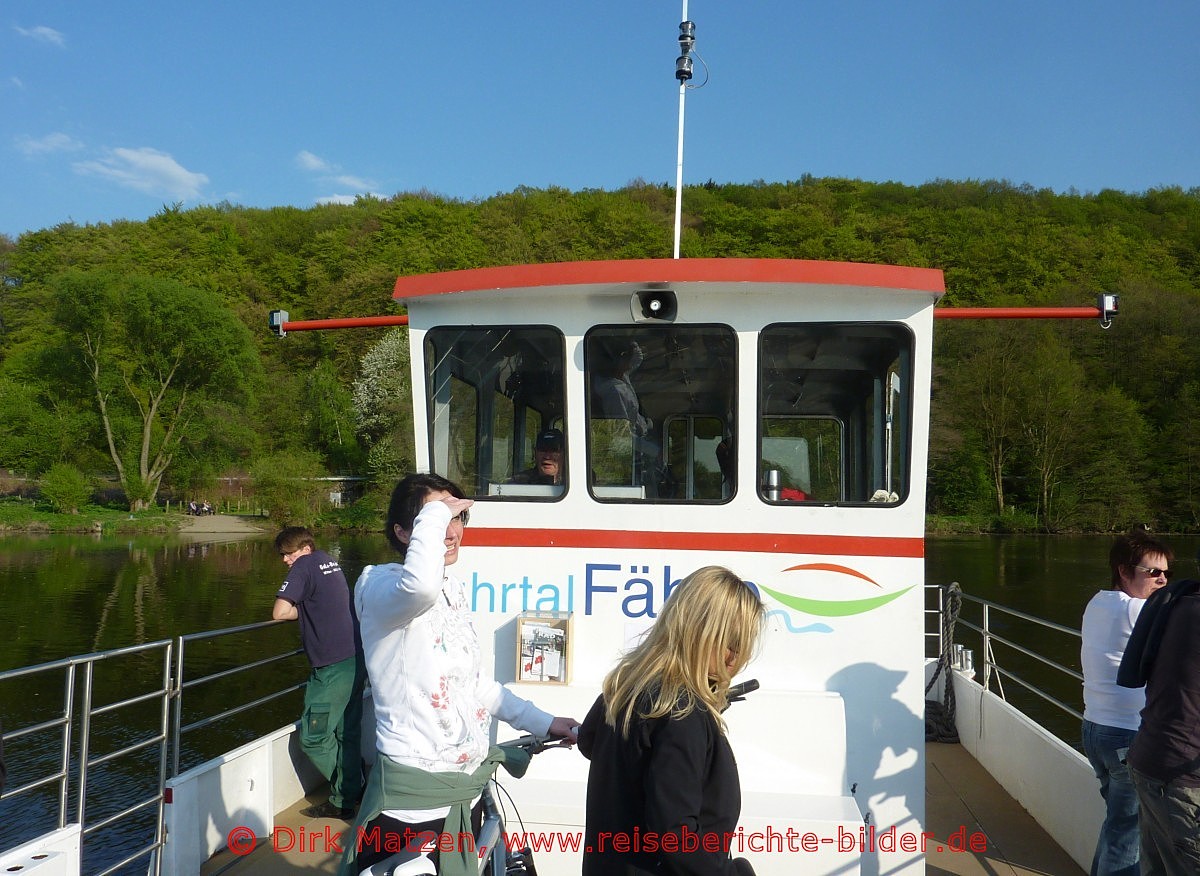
x,y
939,717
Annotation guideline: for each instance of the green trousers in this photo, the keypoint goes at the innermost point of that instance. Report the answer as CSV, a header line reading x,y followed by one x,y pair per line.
x,y
331,728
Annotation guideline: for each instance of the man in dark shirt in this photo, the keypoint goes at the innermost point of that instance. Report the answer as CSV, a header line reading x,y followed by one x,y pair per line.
x,y
316,594
1165,755
547,461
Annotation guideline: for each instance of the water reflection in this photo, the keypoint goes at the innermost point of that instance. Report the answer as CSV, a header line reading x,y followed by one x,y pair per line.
x,y
1051,577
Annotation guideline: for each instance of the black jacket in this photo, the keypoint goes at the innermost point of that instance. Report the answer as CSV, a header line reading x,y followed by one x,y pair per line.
x,y
660,801
1137,662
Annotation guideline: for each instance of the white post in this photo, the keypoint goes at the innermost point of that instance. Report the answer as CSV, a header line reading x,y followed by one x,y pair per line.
x,y
679,154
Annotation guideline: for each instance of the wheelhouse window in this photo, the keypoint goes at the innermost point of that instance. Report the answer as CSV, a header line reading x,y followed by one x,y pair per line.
x,y
496,413
835,412
660,405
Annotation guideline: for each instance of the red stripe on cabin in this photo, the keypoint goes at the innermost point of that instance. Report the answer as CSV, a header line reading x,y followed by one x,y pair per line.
x,y
750,542
649,271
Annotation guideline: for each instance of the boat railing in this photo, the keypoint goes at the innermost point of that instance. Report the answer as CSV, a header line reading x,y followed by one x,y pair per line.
x,y
184,684
1048,689
62,744
75,760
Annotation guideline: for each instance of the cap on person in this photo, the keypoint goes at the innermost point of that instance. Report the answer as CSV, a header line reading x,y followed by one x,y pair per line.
x,y
551,439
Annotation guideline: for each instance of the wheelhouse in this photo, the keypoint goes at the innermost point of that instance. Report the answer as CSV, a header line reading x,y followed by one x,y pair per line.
x,y
770,416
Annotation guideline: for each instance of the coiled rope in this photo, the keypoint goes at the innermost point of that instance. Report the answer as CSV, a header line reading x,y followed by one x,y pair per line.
x,y
939,717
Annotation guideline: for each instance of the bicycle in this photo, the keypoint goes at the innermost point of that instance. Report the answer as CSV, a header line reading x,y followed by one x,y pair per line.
x,y
491,848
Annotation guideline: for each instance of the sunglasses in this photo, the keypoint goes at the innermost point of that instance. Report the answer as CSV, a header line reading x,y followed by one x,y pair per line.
x,y
1154,573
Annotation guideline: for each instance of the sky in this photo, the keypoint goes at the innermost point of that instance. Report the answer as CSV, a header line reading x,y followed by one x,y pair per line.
x,y
114,110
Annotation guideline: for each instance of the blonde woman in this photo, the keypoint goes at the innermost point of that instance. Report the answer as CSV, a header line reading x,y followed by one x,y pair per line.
x,y
663,786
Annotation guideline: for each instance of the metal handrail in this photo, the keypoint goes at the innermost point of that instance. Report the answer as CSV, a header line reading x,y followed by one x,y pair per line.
x,y
79,710
65,722
993,672
182,684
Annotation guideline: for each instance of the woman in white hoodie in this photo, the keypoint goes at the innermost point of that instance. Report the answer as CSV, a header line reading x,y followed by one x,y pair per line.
x,y
433,703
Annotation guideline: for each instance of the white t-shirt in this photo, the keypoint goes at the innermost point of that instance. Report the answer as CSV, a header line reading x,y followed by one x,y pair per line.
x,y
1107,622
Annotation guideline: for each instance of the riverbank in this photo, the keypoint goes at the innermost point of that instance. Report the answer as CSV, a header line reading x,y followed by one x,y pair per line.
x,y
19,515
223,526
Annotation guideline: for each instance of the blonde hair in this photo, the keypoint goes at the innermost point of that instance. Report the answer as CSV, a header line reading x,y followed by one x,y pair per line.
x,y
681,663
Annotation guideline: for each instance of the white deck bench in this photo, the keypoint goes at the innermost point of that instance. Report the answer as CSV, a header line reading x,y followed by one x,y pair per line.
x,y
792,761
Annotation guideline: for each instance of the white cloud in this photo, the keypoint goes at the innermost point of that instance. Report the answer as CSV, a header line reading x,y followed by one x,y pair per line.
x,y
330,172
147,170
51,143
15,82
307,161
354,182
43,34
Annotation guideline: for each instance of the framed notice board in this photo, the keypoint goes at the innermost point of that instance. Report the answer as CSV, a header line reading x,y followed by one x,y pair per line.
x,y
544,647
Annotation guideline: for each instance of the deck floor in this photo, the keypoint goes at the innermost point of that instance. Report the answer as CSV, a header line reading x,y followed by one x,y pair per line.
x,y
958,794
265,860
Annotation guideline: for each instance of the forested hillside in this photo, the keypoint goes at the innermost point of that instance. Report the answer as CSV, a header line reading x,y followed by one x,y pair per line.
x,y
139,350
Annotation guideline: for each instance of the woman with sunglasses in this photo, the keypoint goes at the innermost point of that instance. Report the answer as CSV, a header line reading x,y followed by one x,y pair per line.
x,y
1140,564
433,704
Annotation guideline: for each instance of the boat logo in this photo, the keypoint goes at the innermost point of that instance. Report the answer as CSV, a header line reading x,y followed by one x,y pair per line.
x,y
829,608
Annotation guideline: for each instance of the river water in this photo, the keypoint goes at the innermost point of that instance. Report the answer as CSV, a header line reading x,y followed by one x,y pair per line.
x,y
69,595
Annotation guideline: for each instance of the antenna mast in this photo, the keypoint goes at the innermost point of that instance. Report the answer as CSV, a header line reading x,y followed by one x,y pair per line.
x,y
683,72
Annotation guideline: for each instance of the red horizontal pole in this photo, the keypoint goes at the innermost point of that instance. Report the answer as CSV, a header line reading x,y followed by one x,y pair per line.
x,y
1017,313
314,325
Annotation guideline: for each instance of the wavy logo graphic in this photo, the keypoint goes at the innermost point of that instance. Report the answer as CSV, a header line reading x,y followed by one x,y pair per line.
x,y
829,607
792,628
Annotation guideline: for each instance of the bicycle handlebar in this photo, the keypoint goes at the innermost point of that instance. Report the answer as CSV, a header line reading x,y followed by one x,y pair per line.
x,y
536,744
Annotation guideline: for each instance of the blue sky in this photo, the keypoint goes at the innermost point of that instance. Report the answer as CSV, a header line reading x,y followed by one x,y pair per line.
x,y
111,110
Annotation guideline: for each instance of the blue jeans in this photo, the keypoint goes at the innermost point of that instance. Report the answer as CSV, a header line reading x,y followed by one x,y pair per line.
x,y
1117,846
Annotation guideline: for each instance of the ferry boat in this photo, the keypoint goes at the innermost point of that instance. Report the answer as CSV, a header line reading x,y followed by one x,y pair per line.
x,y
770,416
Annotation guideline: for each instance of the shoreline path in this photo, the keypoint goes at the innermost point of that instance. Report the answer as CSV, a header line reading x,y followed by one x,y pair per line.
x,y
225,526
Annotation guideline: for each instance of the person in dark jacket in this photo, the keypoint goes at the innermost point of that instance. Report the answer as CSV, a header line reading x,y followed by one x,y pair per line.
x,y
663,787
1165,755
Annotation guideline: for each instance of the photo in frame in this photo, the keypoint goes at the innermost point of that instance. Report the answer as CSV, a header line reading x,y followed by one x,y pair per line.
x,y
544,647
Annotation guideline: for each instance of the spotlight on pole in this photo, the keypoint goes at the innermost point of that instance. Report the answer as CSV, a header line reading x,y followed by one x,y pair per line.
x,y
687,39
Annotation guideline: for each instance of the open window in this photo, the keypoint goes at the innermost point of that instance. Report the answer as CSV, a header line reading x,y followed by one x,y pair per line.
x,y
835,412
492,391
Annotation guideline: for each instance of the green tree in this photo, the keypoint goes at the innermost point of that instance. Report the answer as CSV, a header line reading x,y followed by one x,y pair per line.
x,y
329,418
984,392
1113,479
1051,403
383,404
153,353
288,485
39,428
1178,469
66,488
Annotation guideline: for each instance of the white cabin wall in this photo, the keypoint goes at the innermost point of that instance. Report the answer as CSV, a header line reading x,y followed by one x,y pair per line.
x,y
874,660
